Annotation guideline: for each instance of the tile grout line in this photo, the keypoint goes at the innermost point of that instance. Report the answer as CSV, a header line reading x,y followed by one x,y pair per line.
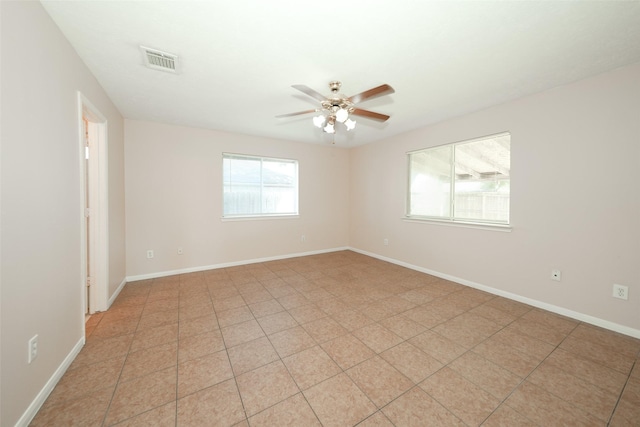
x,y
523,380
595,385
342,371
489,361
104,419
622,391
553,394
378,409
461,355
178,354
293,273
287,368
300,391
226,349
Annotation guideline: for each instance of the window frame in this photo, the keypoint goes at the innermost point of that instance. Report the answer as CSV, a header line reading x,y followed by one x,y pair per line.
x,y
261,215
452,219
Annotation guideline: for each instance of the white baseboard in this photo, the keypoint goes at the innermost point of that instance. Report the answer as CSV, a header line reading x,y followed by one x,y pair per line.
x,y
622,329
626,330
229,264
37,403
116,293
42,396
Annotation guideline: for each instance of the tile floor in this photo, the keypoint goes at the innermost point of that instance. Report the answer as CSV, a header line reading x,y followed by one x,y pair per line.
x,y
339,339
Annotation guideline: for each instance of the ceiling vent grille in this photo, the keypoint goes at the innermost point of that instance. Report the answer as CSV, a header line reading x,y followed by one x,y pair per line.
x,y
158,60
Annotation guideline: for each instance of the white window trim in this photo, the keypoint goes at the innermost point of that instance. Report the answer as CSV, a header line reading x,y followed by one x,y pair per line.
x,y
505,228
262,217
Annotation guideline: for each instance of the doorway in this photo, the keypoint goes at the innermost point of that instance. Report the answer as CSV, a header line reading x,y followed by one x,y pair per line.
x,y
94,199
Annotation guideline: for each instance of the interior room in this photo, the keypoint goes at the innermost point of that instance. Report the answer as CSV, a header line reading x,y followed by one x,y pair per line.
x,y
149,278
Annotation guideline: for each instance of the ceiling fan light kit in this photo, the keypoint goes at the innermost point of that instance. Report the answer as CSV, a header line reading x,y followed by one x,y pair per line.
x,y
342,115
339,108
330,127
350,124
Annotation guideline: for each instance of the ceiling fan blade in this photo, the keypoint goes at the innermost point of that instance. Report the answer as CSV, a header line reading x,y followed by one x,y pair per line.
x,y
370,114
312,93
372,93
297,113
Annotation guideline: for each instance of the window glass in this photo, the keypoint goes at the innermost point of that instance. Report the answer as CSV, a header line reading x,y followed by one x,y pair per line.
x,y
259,186
467,181
430,182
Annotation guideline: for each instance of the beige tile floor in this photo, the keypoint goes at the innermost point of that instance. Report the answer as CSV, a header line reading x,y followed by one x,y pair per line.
x,y
339,339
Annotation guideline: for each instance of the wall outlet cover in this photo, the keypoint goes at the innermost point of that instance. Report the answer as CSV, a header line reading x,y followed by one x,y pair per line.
x,y
621,292
33,349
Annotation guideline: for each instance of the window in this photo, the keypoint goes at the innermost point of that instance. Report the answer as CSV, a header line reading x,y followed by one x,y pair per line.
x,y
467,181
259,186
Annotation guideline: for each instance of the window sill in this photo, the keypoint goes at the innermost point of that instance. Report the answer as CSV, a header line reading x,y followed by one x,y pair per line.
x,y
258,217
505,228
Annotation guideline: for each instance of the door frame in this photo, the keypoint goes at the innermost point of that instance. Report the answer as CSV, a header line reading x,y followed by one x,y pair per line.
x,y
99,205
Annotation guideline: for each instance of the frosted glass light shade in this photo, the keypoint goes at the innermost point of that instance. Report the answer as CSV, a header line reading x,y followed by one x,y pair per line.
x,y
350,124
330,128
318,121
342,115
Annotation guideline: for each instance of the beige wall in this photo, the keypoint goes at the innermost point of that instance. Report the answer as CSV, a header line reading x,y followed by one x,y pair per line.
x,y
174,199
41,213
575,200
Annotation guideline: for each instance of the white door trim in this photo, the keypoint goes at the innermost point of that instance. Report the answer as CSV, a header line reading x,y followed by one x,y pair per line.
x,y
99,203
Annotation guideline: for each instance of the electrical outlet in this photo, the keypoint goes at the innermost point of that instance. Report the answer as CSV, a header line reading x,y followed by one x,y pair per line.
x,y
386,242
180,251
149,254
303,238
621,292
556,275
33,349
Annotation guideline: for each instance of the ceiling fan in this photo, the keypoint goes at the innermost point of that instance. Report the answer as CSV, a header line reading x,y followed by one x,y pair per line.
x,y
337,108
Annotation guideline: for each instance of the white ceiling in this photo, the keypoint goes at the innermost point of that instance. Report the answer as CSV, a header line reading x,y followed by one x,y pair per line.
x,y
239,58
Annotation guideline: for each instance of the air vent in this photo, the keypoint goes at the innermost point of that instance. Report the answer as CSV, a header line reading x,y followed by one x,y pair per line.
x,y
158,60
